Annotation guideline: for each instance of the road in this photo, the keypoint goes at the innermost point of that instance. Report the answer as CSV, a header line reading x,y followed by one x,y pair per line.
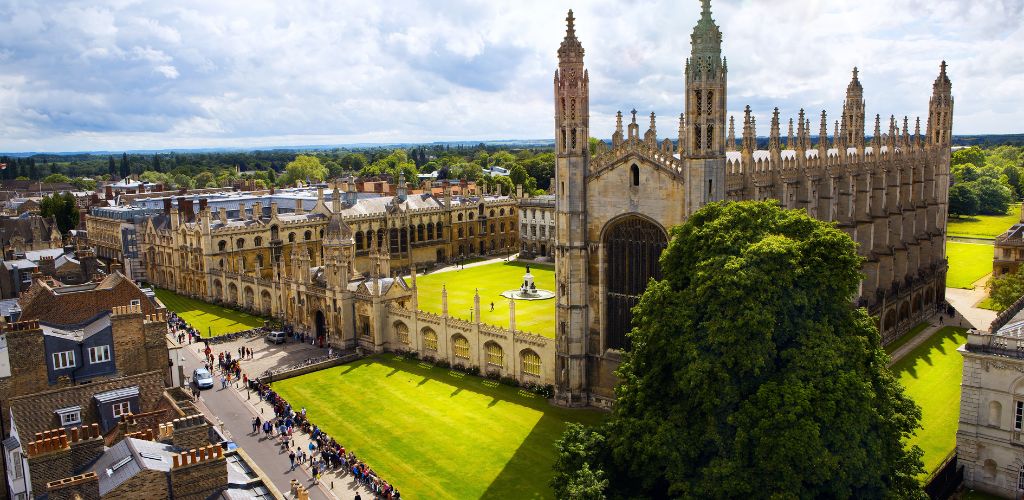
x,y
227,406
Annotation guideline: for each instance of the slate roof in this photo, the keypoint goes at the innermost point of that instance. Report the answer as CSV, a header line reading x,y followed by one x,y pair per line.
x,y
37,255
129,457
79,333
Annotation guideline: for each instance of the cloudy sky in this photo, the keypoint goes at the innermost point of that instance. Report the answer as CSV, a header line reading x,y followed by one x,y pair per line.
x,y
126,74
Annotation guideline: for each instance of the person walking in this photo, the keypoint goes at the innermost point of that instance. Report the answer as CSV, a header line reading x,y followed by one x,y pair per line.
x,y
255,424
291,458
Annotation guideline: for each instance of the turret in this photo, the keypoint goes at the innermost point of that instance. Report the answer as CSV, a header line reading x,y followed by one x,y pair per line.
x,y
940,110
853,114
730,140
706,78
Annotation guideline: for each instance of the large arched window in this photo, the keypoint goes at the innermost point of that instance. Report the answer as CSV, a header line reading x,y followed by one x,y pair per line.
x,y
460,347
495,355
633,246
531,362
308,235
402,332
291,237
459,217
359,240
429,339
257,242
222,245
438,230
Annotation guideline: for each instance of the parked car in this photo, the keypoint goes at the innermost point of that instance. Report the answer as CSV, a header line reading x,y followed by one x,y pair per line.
x,y
276,337
202,378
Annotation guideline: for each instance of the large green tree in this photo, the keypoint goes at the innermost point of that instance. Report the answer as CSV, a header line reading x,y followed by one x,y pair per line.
x,y
963,200
752,374
1006,289
62,209
994,197
304,168
972,154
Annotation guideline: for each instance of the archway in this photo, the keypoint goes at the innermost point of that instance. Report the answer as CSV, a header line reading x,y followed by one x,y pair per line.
x,y
265,302
321,328
632,248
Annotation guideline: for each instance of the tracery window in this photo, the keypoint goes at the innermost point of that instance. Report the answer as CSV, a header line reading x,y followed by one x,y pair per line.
x,y
495,355
402,332
429,339
460,347
530,362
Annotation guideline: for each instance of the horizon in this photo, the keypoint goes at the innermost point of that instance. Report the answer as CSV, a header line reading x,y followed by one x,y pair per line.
x,y
148,77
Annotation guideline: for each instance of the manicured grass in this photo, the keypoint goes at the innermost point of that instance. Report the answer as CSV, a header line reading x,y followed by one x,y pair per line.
x,y
931,375
983,226
896,344
534,316
208,318
968,262
986,303
435,433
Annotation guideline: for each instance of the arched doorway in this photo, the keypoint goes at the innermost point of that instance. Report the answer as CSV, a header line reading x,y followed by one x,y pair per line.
x,y
321,328
632,248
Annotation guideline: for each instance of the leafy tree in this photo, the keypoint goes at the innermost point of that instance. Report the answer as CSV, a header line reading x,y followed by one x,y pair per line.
x,y
304,168
749,360
62,208
972,155
963,200
469,171
125,166
83,184
204,179
57,179
965,172
503,183
394,165
518,174
353,162
993,196
1006,289
1013,179
577,449
182,181
156,162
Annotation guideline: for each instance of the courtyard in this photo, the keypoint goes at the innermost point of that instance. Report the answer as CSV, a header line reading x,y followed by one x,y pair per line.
x,y
533,316
931,375
209,319
436,433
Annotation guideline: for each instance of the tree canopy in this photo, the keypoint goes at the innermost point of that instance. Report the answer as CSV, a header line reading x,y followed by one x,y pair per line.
x,y
749,360
1006,289
62,208
305,168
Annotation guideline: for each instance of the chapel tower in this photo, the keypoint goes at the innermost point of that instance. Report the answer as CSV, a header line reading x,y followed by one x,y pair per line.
x,y
703,141
852,127
572,131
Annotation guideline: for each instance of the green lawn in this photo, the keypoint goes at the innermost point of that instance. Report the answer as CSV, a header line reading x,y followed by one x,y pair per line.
x,y
435,433
983,226
896,344
968,262
208,318
986,303
931,375
534,316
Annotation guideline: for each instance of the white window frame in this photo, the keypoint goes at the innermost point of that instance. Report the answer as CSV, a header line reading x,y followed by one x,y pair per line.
x,y
71,418
94,354
63,359
18,468
1018,414
121,407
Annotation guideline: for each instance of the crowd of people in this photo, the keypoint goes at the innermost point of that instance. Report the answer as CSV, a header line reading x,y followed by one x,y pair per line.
x,y
325,454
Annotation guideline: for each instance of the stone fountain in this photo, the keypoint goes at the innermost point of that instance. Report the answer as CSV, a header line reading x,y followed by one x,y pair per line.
x,y
528,290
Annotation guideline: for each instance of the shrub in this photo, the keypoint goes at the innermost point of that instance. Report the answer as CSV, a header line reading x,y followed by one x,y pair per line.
x,y
510,381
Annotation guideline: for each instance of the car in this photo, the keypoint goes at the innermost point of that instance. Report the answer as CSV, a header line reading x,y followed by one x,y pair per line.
x,y
276,337
202,378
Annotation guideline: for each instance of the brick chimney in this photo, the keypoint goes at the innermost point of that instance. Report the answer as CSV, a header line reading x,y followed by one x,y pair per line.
x,y
198,473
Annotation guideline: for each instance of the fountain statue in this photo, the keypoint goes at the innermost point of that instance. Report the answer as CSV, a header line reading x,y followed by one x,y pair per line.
x,y
528,290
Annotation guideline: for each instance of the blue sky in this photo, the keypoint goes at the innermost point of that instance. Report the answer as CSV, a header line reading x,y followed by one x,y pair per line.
x,y
126,74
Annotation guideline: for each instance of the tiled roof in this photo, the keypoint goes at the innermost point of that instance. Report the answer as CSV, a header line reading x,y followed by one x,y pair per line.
x,y
76,304
127,458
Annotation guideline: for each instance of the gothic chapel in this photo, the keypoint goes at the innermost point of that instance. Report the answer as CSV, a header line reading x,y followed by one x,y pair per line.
x,y
615,205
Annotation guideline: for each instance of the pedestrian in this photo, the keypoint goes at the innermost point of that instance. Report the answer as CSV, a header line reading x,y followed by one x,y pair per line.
x,y
358,497
492,306
316,473
291,458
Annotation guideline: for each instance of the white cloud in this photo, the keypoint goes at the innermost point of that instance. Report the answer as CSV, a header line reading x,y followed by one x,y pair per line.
x,y
123,75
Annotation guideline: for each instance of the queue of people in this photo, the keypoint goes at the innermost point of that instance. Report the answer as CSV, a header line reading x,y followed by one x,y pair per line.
x,y
325,454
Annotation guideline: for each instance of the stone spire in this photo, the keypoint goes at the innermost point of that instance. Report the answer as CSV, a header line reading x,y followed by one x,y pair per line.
x,y
749,143
651,136
773,136
917,132
906,131
571,48
940,110
617,136
633,128
876,141
853,113
823,136
790,139
801,132
730,141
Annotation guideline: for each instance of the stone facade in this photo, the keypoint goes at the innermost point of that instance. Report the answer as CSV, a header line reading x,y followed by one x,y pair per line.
x,y
537,227
1009,250
615,205
27,232
989,443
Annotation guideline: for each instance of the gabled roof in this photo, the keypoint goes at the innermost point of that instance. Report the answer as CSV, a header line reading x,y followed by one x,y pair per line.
x,y
129,457
72,305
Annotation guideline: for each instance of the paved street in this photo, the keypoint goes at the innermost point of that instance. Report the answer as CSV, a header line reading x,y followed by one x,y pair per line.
x,y
226,407
233,409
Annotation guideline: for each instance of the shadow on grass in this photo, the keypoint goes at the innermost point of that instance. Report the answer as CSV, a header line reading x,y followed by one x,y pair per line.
x,y
934,345
522,476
